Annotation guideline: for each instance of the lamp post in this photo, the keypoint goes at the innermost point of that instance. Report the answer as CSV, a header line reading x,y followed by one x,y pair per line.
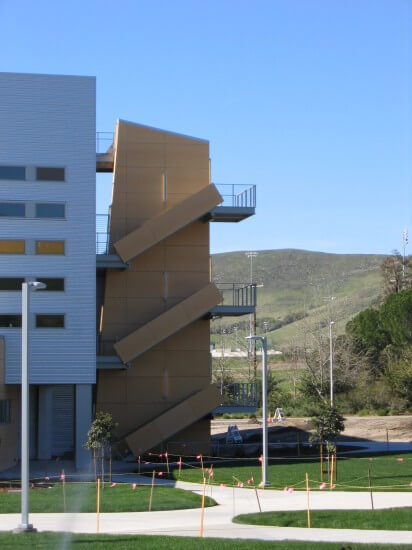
x,y
331,323
25,424
263,341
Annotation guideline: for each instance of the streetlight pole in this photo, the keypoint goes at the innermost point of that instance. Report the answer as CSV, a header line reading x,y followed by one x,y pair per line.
x,y
331,323
265,482
25,411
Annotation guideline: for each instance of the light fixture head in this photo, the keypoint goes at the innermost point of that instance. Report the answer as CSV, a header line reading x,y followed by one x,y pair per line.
x,y
37,285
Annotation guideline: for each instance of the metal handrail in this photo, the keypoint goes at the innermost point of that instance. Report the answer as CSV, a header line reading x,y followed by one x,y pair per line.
x,y
240,394
237,195
237,294
104,141
105,347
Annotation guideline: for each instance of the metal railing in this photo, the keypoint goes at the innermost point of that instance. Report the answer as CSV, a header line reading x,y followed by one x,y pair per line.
x,y
104,141
240,394
105,347
236,195
237,294
102,234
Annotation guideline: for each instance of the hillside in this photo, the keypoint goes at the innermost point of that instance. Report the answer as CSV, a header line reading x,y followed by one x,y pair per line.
x,y
295,287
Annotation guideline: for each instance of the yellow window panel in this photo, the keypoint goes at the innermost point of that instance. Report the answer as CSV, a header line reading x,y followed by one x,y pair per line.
x,y
49,247
12,247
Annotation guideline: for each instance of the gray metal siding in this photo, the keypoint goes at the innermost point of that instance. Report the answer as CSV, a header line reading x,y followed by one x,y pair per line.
x,y
63,420
50,121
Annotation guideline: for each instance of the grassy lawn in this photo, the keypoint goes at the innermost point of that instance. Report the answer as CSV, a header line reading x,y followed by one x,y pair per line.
x,y
81,497
390,519
389,472
51,541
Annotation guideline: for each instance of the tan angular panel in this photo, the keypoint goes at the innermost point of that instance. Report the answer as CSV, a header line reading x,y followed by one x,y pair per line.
x,y
168,323
174,420
167,223
195,234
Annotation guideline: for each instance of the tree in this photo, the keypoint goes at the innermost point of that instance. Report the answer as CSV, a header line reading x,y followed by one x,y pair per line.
x,y
99,438
396,273
328,424
399,374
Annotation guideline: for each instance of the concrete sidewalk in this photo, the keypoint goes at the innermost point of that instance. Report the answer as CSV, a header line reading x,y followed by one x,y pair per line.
x,y
218,519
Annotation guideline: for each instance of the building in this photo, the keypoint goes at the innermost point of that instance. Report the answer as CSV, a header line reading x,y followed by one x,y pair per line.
x,y
142,282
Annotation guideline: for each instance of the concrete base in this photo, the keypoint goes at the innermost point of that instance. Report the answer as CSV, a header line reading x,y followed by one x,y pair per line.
x,y
264,484
25,529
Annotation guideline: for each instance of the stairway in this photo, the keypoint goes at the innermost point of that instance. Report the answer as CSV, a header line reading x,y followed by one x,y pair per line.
x,y
174,420
168,323
168,223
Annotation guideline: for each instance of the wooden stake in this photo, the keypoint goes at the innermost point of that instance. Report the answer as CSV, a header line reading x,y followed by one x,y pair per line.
x,y
256,493
321,460
331,472
64,491
167,463
202,514
370,488
98,506
201,463
151,491
307,499
336,463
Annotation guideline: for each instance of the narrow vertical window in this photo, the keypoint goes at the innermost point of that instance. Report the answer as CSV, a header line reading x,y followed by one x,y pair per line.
x,y
164,176
165,286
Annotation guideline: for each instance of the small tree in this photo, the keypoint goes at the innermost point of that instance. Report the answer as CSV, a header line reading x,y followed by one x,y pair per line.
x,y
328,424
99,438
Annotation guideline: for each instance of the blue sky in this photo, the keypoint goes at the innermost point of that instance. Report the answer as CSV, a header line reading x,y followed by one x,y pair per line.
x,y
308,99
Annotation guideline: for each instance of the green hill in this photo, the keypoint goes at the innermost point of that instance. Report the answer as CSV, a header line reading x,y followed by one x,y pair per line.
x,y
295,289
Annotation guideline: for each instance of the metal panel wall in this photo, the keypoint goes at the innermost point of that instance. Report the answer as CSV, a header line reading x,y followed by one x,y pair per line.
x,y
50,121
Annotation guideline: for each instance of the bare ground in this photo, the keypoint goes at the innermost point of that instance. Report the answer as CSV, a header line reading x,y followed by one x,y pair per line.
x,y
371,428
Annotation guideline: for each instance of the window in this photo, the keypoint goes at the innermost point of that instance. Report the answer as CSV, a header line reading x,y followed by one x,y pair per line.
x,y
13,209
50,210
12,173
49,247
10,321
5,411
53,284
11,283
50,321
50,174
12,247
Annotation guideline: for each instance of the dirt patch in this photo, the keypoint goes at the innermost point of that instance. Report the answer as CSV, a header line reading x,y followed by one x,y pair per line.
x,y
371,428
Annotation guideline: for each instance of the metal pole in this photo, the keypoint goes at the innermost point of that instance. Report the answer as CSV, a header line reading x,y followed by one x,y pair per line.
x,y
265,481
331,363
25,525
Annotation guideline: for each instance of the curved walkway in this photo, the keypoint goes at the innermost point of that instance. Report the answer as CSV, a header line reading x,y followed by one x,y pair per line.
x,y
218,519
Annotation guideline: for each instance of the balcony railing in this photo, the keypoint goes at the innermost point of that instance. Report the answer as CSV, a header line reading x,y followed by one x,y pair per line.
x,y
104,141
105,348
237,294
102,234
236,195
239,394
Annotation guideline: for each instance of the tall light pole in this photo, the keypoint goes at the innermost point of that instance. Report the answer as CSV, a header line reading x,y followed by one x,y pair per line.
x,y
405,240
251,255
331,323
25,422
262,339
